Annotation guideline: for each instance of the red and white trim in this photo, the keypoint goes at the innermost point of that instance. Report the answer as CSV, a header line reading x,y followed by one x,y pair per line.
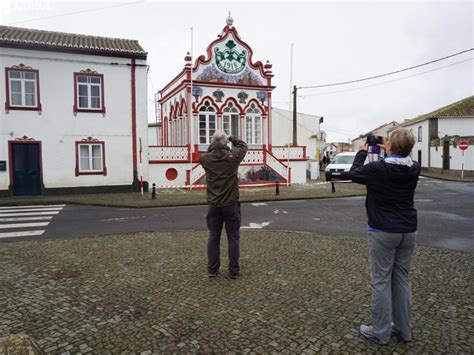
x,y
227,32
21,68
90,141
89,73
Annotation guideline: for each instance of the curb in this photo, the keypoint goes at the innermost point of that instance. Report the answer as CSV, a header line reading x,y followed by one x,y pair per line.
x,y
178,205
445,179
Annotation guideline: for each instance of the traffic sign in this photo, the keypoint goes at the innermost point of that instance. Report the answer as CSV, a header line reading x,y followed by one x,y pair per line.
x,y
463,145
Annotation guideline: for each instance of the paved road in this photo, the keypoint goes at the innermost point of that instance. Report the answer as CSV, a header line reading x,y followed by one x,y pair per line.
x,y
445,217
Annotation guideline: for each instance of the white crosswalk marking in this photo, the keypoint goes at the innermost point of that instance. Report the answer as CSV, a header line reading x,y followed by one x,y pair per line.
x,y
34,209
28,213
15,219
20,234
23,225
24,221
30,206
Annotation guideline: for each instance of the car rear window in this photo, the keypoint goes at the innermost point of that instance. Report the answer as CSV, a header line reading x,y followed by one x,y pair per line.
x,y
343,159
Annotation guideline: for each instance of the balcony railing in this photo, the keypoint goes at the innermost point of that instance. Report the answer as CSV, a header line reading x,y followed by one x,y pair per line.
x,y
296,153
166,154
254,157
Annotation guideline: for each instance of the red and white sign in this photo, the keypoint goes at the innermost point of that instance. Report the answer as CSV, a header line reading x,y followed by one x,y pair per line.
x,y
463,145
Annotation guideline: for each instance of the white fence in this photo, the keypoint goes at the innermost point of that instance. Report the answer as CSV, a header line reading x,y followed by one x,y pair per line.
x,y
197,173
253,157
294,152
168,153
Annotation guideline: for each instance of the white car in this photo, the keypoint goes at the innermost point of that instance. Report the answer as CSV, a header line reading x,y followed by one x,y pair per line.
x,y
339,167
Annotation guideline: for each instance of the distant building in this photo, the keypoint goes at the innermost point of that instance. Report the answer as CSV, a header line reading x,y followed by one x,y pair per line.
x,y
330,150
342,147
75,112
438,134
308,134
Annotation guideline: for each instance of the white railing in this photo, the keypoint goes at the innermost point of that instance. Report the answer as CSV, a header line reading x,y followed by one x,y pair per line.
x,y
253,157
168,153
197,173
276,165
295,152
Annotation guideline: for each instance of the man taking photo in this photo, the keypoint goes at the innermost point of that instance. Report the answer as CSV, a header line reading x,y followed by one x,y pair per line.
x,y
221,165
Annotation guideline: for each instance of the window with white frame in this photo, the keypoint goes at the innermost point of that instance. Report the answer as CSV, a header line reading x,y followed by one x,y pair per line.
x,y
23,88
420,131
89,92
230,120
91,158
207,123
253,125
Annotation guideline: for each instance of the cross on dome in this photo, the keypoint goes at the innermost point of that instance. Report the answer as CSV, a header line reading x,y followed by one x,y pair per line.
x,y
229,20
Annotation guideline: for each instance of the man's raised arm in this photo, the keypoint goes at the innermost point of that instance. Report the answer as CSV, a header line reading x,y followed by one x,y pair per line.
x,y
239,149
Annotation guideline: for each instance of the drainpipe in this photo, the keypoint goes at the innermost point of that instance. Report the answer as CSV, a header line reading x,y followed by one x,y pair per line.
x,y
134,124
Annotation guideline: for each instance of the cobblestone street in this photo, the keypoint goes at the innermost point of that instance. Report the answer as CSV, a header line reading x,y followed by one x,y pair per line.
x,y
149,293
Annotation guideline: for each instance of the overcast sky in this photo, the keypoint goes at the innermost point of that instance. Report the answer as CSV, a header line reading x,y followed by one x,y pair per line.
x,y
333,41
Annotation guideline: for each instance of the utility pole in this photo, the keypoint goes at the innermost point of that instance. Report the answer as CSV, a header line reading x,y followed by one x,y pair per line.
x,y
295,138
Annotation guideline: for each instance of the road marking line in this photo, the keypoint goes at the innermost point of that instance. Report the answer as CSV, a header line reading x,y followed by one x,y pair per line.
x,y
30,206
33,210
23,225
423,200
259,204
20,234
27,214
121,219
256,225
15,219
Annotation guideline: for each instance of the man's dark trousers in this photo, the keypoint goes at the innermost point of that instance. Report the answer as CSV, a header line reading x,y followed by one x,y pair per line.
x,y
216,218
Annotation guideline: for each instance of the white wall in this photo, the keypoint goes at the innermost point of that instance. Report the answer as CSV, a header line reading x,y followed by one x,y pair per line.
x,y
307,126
455,126
446,127
456,159
158,174
154,136
298,172
57,127
423,145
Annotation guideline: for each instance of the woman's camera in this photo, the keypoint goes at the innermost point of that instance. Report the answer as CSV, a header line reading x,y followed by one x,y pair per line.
x,y
373,140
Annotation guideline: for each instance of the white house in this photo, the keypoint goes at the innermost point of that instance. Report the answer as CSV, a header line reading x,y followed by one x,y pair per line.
x,y
307,128
438,135
224,89
75,113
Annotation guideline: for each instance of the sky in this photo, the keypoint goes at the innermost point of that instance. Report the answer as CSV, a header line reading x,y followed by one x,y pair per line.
x,y
333,41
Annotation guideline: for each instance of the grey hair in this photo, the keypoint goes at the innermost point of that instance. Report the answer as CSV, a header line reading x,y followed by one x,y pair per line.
x,y
219,137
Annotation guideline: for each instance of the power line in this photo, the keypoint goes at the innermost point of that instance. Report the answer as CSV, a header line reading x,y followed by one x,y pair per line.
x,y
77,12
386,74
388,82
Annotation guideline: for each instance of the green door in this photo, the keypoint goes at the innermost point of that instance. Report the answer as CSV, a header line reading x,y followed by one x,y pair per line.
x,y
26,169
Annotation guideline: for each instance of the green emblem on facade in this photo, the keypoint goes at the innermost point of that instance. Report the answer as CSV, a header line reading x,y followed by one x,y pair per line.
x,y
229,60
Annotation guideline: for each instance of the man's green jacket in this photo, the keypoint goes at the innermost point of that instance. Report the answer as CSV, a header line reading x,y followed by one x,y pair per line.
x,y
221,165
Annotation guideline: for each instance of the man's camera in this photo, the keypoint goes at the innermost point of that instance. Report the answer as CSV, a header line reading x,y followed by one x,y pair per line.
x,y
373,140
